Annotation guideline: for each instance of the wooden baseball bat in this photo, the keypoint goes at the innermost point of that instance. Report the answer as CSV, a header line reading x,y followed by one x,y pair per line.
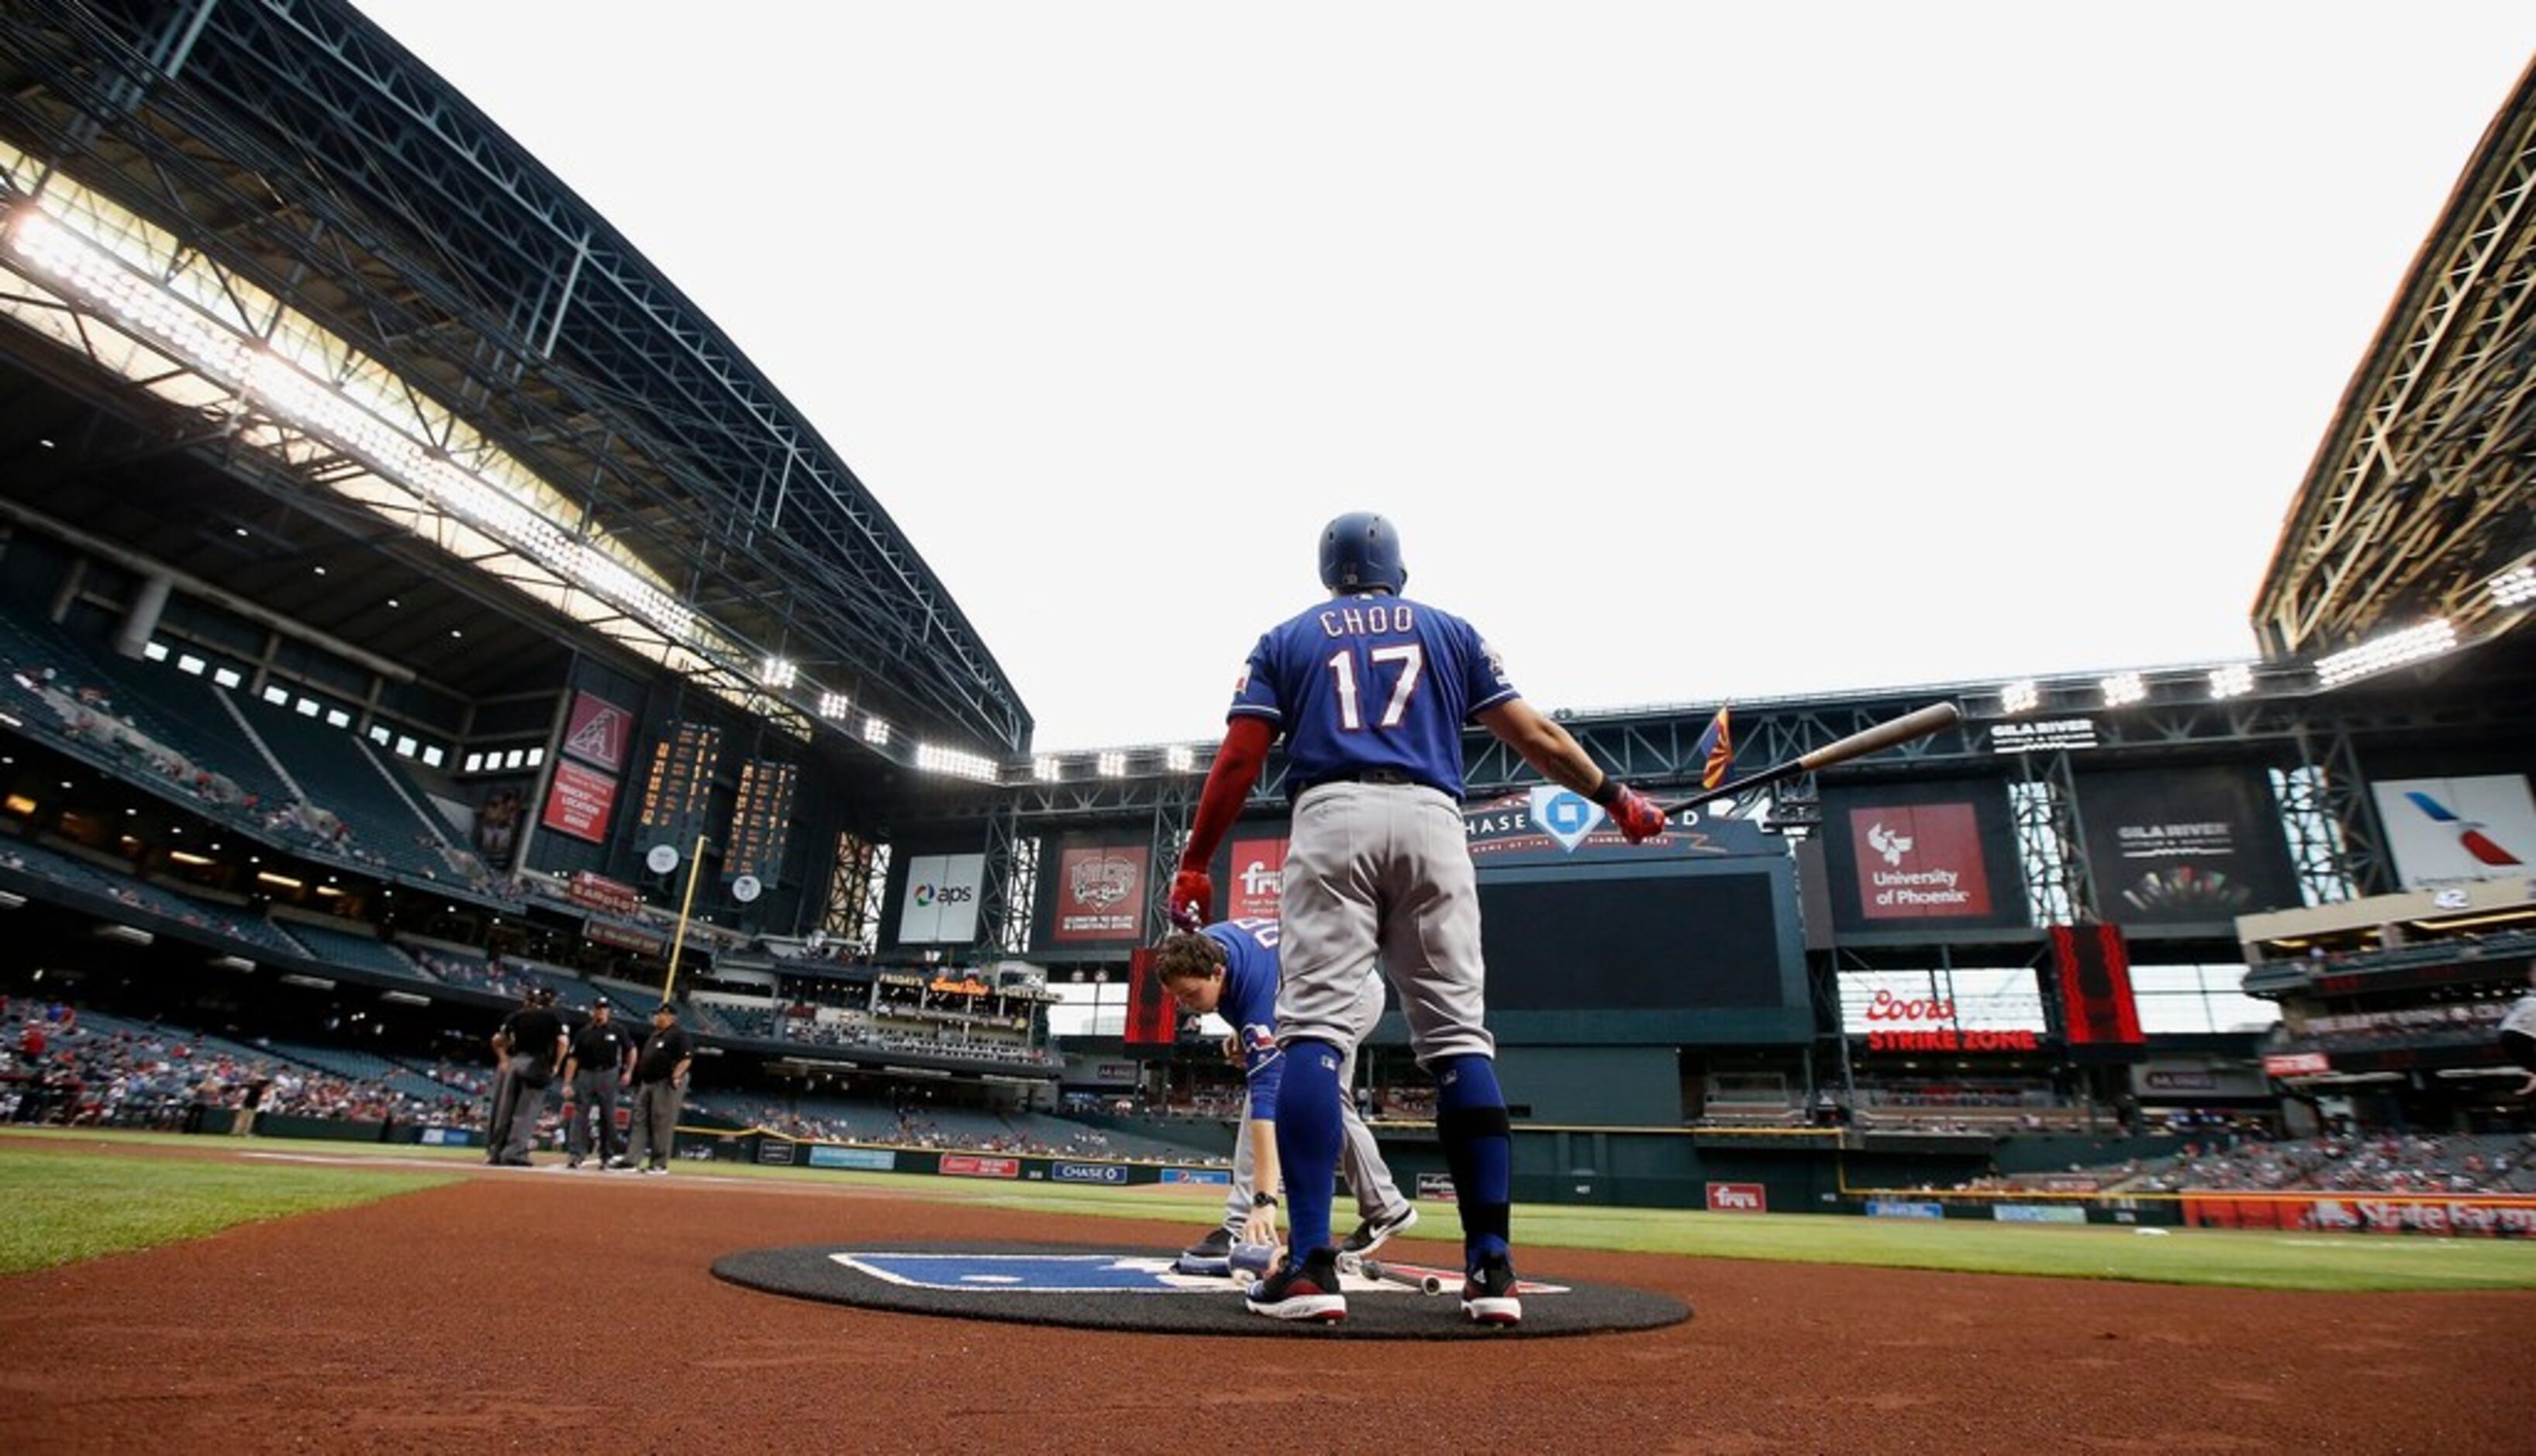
x,y
1424,1281
1919,723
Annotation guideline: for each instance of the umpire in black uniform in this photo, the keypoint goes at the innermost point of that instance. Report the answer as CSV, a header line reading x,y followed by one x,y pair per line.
x,y
534,1035
601,1061
659,1083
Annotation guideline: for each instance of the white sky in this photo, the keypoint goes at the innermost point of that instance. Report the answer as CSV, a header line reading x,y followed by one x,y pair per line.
x,y
1698,349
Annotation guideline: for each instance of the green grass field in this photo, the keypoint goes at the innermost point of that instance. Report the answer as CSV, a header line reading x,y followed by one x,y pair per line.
x,y
70,1196
2202,1256
65,1204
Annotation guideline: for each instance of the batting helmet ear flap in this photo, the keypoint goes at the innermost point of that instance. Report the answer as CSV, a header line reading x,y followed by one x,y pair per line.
x,y
1361,553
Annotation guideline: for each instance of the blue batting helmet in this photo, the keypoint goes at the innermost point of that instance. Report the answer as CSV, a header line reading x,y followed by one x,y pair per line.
x,y
1360,551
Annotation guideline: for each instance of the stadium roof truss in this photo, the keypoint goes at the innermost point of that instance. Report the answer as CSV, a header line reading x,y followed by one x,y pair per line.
x,y
2421,503
412,315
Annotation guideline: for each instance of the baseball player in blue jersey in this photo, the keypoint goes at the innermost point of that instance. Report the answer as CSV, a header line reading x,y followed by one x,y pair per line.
x,y
1372,691
1230,969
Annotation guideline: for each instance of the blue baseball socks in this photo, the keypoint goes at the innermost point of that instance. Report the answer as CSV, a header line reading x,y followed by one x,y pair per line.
x,y
1478,1150
1308,1141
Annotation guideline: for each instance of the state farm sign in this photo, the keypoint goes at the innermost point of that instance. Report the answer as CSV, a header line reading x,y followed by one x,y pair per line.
x,y
1738,1198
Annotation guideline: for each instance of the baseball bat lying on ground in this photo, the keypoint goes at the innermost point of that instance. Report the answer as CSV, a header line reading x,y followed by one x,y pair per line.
x,y
1919,723
1424,1281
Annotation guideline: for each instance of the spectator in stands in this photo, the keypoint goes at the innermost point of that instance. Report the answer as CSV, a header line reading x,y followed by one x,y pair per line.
x,y
536,1041
2518,1034
659,1080
602,1060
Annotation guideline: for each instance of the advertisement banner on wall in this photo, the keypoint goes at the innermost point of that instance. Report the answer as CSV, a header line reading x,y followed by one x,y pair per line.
x,y
597,732
1548,825
866,1160
970,1165
1738,1198
1097,896
940,905
1252,869
1907,857
2185,845
2450,831
2385,1213
579,802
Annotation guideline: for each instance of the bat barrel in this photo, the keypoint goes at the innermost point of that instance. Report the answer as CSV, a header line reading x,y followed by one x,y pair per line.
x,y
1919,723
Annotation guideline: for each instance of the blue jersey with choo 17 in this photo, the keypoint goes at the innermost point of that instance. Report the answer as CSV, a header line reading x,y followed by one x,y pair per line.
x,y
1371,682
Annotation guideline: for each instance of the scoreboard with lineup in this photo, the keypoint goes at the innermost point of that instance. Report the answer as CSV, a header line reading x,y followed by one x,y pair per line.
x,y
681,777
761,817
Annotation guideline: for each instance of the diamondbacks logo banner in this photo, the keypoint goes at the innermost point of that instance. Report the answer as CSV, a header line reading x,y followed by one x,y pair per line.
x,y
597,732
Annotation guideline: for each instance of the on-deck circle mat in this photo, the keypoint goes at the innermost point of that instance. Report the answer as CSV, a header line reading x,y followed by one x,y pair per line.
x,y
1103,1287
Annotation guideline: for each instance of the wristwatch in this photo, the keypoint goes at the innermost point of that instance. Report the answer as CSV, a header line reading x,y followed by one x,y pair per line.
x,y
1263,1200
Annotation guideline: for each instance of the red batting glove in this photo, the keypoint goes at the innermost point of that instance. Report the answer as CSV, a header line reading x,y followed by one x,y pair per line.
x,y
1635,815
1191,894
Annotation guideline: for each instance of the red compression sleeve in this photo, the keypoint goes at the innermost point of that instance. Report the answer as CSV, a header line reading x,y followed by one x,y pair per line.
x,y
1236,767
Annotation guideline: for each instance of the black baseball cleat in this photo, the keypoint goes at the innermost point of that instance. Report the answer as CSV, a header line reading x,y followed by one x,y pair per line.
x,y
1488,1295
1310,1291
1370,1234
1216,1244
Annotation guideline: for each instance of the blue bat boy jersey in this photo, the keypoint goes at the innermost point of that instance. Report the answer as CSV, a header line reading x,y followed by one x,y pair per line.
x,y
1371,682
1249,1003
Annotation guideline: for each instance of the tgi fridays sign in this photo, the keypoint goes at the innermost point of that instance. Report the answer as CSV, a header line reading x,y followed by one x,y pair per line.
x,y
1738,1198
1256,871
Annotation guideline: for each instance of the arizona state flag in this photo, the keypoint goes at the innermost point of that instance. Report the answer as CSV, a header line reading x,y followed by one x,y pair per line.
x,y
1716,750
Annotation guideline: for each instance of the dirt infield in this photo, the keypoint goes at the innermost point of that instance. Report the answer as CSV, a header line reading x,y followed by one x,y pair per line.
x,y
564,1311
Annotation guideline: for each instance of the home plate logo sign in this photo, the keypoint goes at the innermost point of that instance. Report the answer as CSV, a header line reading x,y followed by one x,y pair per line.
x,y
1032,1274
1139,1274
1139,1291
